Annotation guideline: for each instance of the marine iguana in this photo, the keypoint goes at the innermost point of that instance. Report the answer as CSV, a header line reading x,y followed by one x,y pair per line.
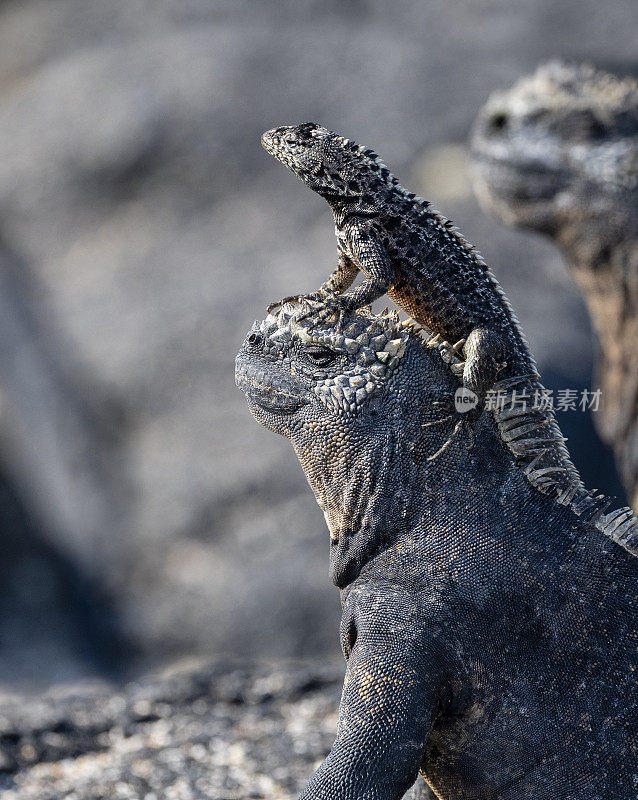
x,y
489,632
558,154
407,249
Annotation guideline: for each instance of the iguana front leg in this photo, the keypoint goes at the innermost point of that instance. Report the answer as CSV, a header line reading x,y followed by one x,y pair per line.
x,y
389,698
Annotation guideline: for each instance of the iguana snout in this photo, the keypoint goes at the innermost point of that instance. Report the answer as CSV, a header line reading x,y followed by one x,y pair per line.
x,y
272,392
260,373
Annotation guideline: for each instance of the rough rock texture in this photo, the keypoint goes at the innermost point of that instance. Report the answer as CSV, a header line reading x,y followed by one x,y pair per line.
x,y
142,229
221,731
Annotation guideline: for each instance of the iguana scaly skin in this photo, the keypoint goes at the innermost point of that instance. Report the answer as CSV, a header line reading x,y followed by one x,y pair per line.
x,y
558,154
489,632
408,250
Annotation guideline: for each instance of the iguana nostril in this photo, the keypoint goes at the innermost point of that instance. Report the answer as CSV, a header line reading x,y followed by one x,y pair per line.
x,y
255,339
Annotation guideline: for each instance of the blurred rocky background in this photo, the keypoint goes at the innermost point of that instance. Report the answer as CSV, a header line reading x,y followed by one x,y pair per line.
x,y
144,516
220,731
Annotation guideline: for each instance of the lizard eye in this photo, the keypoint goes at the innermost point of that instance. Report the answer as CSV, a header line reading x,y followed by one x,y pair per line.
x,y
319,356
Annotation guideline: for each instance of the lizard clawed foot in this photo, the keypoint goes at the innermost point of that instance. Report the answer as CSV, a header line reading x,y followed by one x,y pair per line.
x,y
279,303
296,298
326,308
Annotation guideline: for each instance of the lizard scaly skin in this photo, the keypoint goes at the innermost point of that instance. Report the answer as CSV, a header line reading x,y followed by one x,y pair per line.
x,y
409,251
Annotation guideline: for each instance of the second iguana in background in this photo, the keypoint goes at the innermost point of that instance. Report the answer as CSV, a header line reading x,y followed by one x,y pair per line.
x,y
557,154
411,252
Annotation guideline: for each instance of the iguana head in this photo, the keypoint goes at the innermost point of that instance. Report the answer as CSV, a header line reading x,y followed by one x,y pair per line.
x,y
559,145
297,378
336,168
355,404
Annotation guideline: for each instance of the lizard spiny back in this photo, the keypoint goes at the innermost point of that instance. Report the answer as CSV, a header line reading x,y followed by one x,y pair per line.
x,y
416,255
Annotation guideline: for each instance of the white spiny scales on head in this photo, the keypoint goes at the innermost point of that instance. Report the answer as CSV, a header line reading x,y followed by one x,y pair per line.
x,y
375,350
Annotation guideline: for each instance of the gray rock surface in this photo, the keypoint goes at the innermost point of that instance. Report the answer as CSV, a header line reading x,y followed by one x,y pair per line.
x,y
142,229
221,731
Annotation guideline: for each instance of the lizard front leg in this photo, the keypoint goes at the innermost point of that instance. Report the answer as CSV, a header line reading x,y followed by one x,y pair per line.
x,y
340,280
342,277
389,698
368,255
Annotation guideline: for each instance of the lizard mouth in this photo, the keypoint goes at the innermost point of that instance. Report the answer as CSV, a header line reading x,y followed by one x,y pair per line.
x,y
267,141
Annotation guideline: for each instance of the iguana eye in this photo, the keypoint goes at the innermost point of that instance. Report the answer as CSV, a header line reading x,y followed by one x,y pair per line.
x,y
498,121
320,356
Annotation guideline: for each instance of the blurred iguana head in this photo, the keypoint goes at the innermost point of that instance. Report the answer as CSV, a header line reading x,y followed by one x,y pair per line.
x,y
336,168
558,147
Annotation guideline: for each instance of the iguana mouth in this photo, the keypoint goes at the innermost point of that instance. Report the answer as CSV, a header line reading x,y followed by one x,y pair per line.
x,y
270,392
522,180
274,402
519,180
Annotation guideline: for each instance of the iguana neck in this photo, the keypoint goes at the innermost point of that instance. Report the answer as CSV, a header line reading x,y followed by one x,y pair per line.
x,y
604,263
383,488
600,242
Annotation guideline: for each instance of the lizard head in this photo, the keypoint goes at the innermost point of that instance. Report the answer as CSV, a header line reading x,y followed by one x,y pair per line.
x,y
334,167
559,146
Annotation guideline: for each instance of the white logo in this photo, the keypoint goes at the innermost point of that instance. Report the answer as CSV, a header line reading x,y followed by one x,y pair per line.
x,y
464,400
